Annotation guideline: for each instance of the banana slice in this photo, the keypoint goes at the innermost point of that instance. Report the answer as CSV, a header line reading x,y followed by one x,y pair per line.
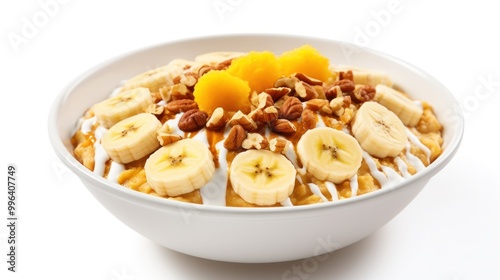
x,y
216,57
366,76
402,106
379,131
262,177
329,154
153,79
180,167
122,106
132,138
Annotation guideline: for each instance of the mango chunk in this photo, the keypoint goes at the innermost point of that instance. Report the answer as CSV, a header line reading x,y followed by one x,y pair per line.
x,y
259,69
307,60
221,89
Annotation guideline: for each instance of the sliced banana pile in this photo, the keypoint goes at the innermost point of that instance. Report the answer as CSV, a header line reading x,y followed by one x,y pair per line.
x,y
261,175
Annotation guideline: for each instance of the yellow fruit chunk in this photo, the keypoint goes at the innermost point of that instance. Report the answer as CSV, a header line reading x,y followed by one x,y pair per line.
x,y
221,89
259,69
307,60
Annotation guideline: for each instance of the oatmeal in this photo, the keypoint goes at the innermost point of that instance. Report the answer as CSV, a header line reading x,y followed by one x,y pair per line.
x,y
258,129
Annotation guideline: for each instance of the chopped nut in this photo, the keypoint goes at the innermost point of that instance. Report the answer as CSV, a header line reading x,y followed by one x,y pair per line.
x,y
181,105
167,138
291,109
265,100
283,126
266,115
321,92
254,99
165,93
347,116
305,91
308,80
288,82
277,92
337,105
347,101
316,104
344,85
205,69
255,141
165,128
235,138
224,64
245,121
346,75
217,120
189,79
363,93
332,92
278,145
155,109
193,120
179,91
308,119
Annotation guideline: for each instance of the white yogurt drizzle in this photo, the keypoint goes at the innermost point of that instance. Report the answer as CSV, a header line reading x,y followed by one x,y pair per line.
x,y
100,155
174,124
286,203
402,167
414,139
412,159
353,181
320,122
214,192
315,190
114,171
333,190
88,124
372,165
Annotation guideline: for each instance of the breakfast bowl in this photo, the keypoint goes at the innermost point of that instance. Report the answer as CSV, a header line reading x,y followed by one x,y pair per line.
x,y
250,234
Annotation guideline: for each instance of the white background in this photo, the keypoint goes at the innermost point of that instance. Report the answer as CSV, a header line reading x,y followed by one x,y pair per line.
x,y
451,231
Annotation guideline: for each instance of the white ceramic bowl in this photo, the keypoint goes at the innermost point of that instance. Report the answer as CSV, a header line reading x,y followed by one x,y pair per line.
x,y
244,234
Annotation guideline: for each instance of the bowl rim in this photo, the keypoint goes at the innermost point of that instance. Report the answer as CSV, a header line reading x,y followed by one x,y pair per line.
x,y
121,192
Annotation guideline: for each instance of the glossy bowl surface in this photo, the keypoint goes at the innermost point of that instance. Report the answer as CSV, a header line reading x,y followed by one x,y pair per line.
x,y
245,234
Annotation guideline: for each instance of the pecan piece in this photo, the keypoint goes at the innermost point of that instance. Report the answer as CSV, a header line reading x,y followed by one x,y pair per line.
x,y
266,115
346,75
277,92
278,145
167,138
176,92
288,82
181,105
217,120
308,80
244,120
283,126
363,93
155,109
255,141
308,119
291,109
193,120
235,138
265,100
205,69
305,91
319,105
338,105
343,85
